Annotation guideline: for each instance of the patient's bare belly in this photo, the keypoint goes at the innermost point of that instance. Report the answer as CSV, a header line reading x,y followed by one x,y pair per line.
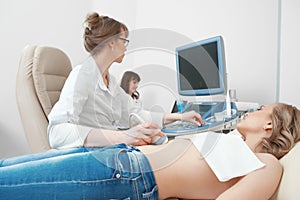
x,y
184,175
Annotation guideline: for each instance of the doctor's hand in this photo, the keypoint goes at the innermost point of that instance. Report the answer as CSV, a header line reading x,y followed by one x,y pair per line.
x,y
141,134
193,117
190,116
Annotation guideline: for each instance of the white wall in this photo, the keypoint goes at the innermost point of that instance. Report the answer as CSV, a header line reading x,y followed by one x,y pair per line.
x,y
55,23
249,28
290,44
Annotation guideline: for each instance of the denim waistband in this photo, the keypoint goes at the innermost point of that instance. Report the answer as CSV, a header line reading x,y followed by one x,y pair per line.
x,y
131,162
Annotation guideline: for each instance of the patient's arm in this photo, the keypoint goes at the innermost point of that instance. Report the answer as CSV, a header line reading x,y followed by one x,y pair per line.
x,y
260,184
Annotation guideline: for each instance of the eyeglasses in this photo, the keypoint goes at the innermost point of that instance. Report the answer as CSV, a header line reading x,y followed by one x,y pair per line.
x,y
126,42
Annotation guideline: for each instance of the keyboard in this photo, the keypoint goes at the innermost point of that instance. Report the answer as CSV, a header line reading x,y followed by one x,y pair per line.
x,y
210,122
180,127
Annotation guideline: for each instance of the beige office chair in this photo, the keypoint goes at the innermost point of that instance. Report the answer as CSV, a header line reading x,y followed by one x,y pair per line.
x,y
41,76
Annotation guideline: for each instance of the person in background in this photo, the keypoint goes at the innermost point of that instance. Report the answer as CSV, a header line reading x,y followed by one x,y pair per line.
x,y
129,82
188,167
93,110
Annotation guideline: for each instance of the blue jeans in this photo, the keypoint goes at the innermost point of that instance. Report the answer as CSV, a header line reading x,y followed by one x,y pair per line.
x,y
115,172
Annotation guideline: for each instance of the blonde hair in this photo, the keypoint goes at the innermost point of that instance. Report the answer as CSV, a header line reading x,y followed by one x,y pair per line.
x,y
285,133
99,30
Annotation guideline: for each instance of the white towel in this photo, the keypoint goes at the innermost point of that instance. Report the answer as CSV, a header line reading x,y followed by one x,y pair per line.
x,y
227,154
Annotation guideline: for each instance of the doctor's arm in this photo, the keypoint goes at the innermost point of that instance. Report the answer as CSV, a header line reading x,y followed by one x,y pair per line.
x,y
135,135
260,184
190,116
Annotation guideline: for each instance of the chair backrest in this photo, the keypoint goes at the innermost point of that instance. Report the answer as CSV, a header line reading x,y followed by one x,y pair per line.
x,y
41,76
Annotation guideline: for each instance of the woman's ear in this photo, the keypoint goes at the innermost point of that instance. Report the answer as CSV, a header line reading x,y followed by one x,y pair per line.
x,y
111,44
268,126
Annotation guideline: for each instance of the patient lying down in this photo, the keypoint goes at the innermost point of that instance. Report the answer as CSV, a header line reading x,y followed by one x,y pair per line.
x,y
202,166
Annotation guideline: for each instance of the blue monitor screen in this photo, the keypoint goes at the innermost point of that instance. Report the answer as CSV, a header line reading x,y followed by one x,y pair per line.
x,y
201,68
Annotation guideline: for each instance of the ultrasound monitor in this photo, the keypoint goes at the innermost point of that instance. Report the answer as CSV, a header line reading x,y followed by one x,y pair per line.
x,y
201,69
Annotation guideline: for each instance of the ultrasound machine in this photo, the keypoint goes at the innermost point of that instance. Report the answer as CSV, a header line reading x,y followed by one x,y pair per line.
x,y
201,71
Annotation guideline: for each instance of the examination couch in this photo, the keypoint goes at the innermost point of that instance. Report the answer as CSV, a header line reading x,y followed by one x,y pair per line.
x,y
41,76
